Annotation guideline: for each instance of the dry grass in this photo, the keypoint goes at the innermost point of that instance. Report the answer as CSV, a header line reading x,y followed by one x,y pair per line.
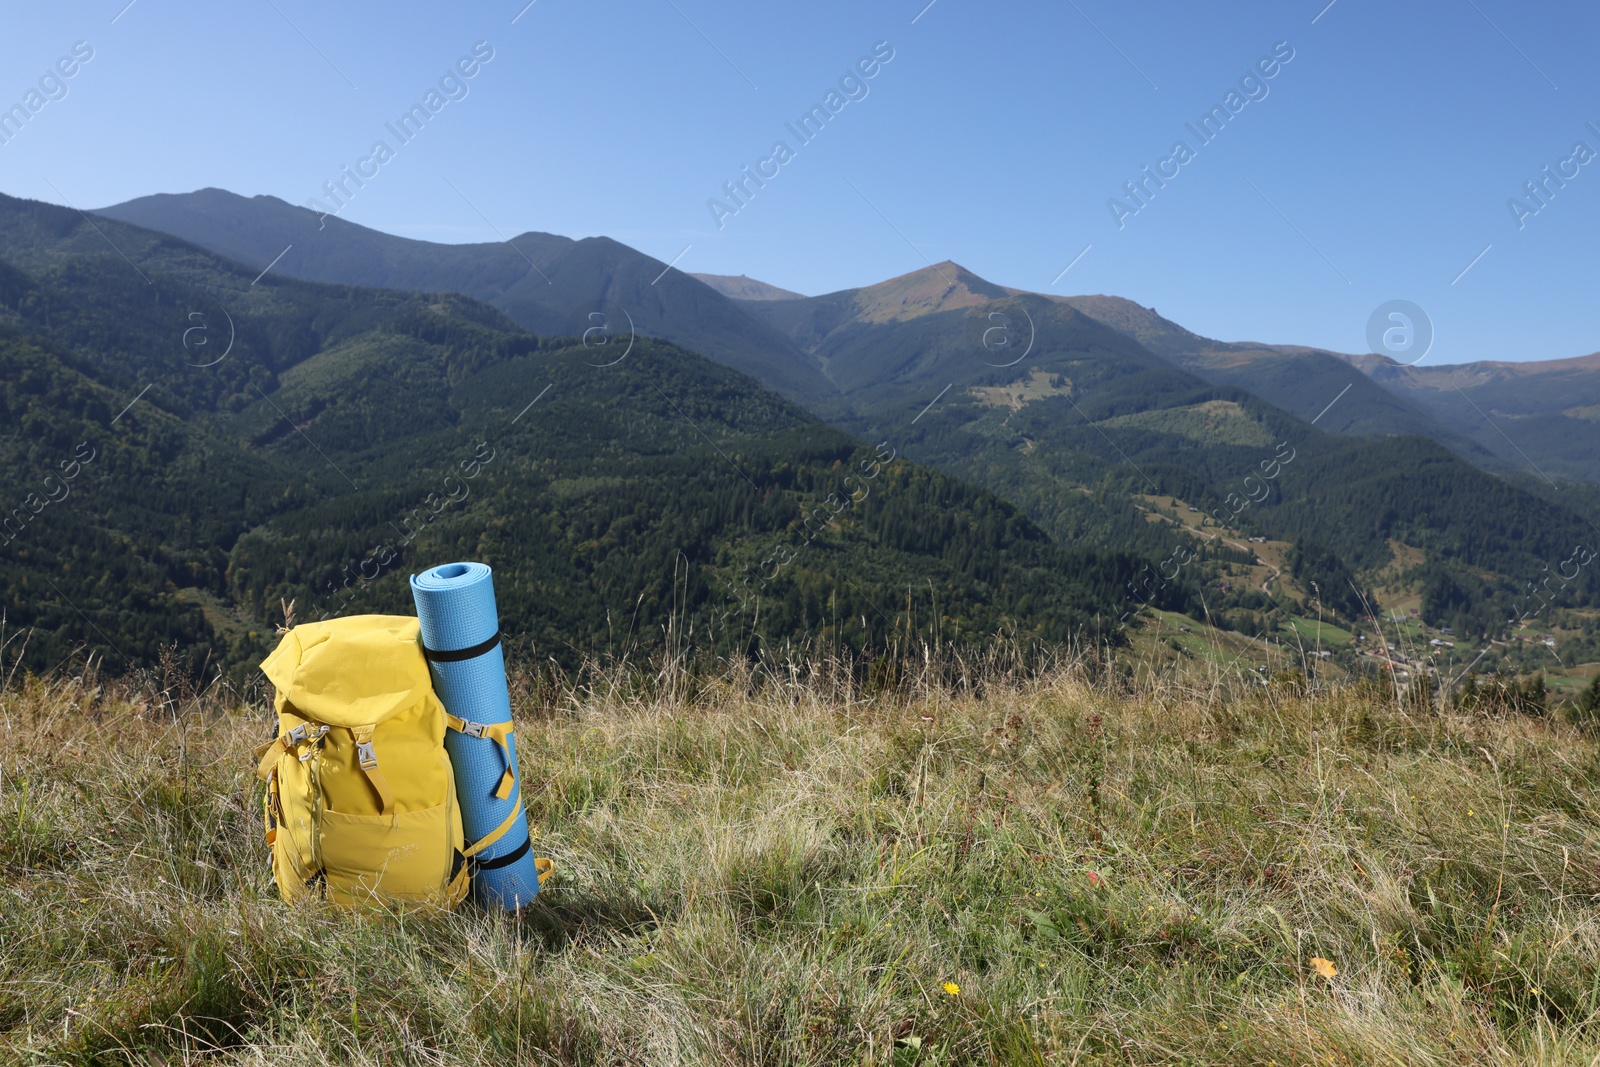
x,y
780,869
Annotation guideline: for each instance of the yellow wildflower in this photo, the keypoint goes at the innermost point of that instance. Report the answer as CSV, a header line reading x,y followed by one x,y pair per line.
x,y
953,989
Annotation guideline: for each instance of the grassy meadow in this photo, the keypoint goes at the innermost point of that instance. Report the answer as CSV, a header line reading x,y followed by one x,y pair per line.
x,y
777,867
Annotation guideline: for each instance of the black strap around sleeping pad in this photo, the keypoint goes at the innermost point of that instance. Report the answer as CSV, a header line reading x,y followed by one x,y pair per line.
x,y
503,861
462,653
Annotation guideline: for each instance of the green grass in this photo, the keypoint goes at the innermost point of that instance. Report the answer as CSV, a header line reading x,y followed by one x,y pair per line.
x,y
1407,633
787,870
1217,648
1314,630
1568,685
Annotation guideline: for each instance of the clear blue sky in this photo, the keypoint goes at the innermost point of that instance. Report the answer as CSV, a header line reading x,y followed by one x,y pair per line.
x,y
1378,165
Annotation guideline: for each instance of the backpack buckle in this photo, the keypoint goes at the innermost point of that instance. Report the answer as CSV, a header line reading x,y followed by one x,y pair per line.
x,y
473,729
364,753
304,732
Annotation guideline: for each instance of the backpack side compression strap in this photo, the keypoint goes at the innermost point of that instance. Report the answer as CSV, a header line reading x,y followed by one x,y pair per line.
x,y
497,732
497,833
507,860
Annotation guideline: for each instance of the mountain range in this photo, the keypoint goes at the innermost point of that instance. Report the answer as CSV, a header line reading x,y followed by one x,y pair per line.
x,y
1520,417
190,443
1058,463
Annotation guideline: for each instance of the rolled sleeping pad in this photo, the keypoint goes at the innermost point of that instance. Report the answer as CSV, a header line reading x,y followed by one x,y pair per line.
x,y
461,640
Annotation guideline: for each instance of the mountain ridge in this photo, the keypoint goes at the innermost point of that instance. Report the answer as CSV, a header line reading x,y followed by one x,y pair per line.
x,y
552,285
1385,398
1114,409
744,287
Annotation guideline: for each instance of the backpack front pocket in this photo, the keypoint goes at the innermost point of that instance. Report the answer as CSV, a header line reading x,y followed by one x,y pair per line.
x,y
368,858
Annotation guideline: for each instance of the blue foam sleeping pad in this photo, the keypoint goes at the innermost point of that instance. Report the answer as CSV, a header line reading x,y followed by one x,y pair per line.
x,y
455,603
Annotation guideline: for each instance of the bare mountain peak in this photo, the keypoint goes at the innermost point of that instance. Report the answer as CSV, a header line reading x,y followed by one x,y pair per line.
x,y
946,286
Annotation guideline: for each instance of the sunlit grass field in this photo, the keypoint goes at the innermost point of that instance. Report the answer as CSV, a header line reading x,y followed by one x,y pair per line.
x,y
780,868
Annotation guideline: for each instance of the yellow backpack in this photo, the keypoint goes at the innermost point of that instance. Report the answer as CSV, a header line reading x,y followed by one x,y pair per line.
x,y
361,799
